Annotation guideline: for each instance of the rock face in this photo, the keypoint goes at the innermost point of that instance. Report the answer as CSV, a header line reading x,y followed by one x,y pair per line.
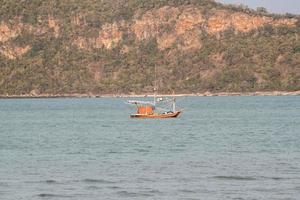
x,y
10,32
242,22
13,52
152,22
188,20
166,40
170,25
177,26
218,22
53,24
108,37
7,33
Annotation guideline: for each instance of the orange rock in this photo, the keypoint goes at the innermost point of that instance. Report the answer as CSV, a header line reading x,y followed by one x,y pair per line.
x,y
6,33
242,22
109,36
12,52
245,23
190,40
218,23
166,40
188,19
285,22
54,24
151,23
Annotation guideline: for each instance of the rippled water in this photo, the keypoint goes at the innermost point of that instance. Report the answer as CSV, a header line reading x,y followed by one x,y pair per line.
x,y
220,148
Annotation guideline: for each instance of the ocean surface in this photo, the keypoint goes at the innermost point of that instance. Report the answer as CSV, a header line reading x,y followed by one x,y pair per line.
x,y
241,148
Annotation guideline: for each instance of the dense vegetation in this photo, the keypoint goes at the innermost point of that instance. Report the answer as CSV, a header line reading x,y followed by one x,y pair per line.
x,y
264,59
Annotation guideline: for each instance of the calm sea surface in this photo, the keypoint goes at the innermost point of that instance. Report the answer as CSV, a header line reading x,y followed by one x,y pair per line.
x,y
88,149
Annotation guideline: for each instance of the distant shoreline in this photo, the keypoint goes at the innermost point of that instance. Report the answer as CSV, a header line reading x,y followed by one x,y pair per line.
x,y
206,94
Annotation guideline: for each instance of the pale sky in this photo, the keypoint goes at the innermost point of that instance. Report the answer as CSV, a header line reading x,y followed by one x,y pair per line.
x,y
274,6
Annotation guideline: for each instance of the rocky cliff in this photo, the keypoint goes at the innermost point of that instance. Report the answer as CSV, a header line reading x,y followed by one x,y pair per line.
x,y
112,47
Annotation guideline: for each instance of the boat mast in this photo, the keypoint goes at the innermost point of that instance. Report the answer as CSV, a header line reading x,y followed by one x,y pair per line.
x,y
174,104
155,86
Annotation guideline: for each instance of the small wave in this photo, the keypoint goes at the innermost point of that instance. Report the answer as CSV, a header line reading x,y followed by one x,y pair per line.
x,y
48,195
133,194
142,150
190,199
297,188
43,182
239,178
176,149
93,187
75,153
3,184
276,178
260,189
114,187
151,192
114,152
141,180
186,191
154,192
51,181
88,180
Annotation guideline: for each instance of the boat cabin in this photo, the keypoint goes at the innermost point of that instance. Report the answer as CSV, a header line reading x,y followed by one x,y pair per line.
x,y
145,110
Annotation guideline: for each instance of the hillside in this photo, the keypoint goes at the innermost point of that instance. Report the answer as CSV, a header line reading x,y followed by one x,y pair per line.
x,y
111,47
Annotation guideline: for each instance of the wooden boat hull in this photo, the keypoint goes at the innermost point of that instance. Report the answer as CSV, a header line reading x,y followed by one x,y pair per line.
x,y
156,116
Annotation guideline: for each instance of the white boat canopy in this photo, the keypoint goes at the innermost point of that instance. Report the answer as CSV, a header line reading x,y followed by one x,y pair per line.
x,y
140,102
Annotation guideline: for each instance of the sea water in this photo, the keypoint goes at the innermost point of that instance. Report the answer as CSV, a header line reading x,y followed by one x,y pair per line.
x,y
88,149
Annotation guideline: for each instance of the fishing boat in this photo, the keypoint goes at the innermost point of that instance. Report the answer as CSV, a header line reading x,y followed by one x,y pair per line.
x,y
151,110
158,108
